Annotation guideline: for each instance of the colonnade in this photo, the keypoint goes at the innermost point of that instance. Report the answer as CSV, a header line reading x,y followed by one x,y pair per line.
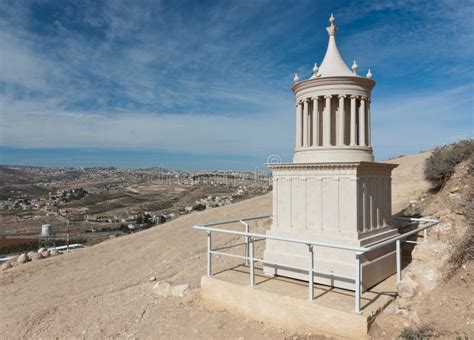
x,y
333,120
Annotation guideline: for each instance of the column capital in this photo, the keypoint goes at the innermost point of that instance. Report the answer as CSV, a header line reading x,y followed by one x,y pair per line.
x,y
328,96
353,96
342,96
363,98
315,98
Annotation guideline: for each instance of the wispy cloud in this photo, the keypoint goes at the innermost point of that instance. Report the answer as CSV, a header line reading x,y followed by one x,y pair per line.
x,y
196,133
215,79
422,120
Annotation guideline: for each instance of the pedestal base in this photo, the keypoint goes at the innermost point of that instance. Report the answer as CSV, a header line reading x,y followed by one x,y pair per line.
x,y
334,267
339,203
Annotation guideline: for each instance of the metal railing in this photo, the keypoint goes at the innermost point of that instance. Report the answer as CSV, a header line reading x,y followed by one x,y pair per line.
x,y
250,259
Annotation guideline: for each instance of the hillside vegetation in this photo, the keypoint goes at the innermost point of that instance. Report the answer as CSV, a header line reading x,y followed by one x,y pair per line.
x,y
440,166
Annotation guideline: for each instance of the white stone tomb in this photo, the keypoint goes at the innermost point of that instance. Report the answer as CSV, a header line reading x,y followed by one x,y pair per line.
x,y
333,191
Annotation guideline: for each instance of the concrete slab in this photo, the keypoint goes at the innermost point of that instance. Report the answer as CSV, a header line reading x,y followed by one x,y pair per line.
x,y
283,302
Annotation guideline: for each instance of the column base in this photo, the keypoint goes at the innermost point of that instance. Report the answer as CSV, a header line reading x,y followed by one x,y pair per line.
x,y
322,154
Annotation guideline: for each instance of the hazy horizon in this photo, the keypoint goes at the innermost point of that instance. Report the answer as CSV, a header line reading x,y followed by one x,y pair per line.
x,y
140,159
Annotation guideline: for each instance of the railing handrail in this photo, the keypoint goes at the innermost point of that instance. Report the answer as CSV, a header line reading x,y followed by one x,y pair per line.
x,y
277,238
401,236
414,219
360,250
236,221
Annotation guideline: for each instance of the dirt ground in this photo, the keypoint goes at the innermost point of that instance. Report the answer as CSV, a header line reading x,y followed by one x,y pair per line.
x,y
105,291
446,312
408,180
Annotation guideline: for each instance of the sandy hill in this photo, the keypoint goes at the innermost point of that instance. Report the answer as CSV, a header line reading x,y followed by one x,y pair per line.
x,y
105,290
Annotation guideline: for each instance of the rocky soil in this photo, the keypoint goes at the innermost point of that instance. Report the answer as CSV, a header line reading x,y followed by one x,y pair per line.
x,y
437,290
119,288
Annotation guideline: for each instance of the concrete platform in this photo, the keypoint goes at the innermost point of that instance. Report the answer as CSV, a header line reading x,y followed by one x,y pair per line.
x,y
283,302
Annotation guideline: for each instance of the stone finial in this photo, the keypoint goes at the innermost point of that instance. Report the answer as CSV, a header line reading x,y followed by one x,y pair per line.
x,y
315,68
296,78
369,74
354,68
332,29
315,71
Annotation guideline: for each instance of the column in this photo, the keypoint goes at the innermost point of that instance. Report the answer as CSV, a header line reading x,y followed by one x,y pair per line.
x,y
315,122
327,122
305,123
362,122
353,120
369,129
340,122
299,112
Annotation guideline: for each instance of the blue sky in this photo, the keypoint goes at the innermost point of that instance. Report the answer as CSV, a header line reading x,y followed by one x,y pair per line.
x,y
206,84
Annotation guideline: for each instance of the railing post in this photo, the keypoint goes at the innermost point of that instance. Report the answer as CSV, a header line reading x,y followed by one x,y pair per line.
x,y
425,235
311,274
357,283
251,262
209,259
399,261
246,242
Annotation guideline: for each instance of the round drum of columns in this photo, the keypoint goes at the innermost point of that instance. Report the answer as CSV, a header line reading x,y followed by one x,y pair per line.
x,y
333,122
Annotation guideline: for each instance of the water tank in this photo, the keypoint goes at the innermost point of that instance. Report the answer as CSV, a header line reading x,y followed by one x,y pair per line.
x,y
46,230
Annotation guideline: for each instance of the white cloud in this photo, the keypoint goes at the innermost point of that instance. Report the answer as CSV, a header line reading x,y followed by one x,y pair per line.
x,y
194,133
420,121
19,66
401,124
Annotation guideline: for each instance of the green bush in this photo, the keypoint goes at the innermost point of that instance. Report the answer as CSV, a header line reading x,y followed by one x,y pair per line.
x,y
440,165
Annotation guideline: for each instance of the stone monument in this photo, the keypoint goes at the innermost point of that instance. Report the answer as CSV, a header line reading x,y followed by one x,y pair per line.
x,y
333,191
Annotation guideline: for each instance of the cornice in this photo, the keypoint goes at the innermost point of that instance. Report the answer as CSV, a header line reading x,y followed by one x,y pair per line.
x,y
324,81
339,165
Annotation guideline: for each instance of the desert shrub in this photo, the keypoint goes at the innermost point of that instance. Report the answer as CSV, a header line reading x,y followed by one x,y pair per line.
x,y
124,228
417,334
199,207
411,211
440,165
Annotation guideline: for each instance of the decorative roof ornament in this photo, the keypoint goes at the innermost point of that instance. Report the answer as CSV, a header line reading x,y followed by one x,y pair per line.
x,y
333,65
354,68
296,78
332,29
315,71
369,74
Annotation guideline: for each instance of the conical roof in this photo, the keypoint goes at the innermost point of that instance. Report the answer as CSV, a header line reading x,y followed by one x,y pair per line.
x,y
333,65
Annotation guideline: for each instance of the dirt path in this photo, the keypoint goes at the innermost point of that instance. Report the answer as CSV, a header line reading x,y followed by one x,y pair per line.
x,y
105,290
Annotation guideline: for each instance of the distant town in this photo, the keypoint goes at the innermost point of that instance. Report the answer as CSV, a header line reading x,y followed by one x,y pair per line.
x,y
97,203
